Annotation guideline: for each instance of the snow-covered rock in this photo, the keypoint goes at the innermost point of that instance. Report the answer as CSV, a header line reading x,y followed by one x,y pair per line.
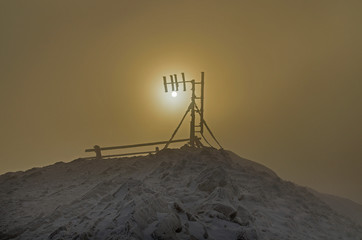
x,y
175,194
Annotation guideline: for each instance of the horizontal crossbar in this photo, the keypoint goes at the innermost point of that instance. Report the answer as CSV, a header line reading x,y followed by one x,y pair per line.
x,y
137,145
127,154
170,83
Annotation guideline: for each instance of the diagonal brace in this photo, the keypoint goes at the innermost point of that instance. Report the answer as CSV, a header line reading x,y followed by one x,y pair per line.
x,y
174,133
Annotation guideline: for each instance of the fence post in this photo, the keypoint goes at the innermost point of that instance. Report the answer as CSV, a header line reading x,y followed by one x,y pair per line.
x,y
97,149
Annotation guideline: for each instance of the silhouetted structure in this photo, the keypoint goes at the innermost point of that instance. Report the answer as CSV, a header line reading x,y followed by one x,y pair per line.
x,y
193,109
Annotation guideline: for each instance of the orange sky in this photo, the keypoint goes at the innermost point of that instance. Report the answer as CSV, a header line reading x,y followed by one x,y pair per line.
x,y
283,81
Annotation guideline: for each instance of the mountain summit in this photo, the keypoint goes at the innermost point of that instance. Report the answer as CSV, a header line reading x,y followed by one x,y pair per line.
x,y
182,193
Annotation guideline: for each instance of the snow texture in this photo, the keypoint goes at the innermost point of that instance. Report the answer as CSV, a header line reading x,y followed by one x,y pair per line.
x,y
175,194
342,206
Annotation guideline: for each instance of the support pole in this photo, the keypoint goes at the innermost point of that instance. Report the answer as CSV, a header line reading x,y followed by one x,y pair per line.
x,y
207,127
97,149
202,104
192,123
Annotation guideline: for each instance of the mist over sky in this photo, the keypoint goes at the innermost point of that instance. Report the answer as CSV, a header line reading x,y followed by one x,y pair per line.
x,y
283,81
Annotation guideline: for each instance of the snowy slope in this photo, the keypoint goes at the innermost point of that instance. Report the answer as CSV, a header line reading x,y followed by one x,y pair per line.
x,y
341,205
176,194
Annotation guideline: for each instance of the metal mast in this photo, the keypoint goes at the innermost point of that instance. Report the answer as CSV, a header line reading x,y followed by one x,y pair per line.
x,y
192,123
193,109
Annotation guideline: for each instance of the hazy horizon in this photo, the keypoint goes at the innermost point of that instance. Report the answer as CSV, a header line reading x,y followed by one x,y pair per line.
x,y
283,81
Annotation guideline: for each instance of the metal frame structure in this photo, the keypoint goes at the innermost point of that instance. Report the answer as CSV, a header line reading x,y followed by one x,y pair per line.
x,y
192,108
193,140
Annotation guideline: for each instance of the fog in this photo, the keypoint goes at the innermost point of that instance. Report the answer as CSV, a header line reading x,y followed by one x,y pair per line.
x,y
283,81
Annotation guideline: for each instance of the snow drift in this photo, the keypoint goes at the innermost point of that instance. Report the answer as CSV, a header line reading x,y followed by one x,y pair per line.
x,y
175,194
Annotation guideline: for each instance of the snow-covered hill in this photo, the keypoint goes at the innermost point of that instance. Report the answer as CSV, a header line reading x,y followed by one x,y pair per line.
x,y
175,194
342,206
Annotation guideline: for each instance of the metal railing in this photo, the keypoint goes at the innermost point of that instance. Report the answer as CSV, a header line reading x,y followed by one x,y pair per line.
x,y
98,150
